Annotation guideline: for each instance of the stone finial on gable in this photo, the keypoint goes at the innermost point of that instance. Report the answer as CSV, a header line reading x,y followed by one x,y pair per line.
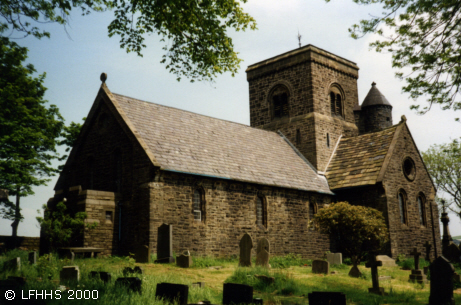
x,y
403,118
103,77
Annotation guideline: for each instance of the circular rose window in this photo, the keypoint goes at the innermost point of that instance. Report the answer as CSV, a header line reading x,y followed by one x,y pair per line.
x,y
409,168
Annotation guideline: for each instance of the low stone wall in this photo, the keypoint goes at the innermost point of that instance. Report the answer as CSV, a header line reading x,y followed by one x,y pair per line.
x,y
26,242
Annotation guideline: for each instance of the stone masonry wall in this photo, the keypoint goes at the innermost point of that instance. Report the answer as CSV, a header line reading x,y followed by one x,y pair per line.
x,y
376,117
404,237
25,242
309,82
231,212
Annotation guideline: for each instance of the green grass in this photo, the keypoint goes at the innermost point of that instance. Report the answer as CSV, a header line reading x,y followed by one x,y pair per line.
x,y
293,280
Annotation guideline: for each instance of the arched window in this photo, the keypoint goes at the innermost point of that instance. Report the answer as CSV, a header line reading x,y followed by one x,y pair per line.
x,y
199,205
279,99
312,212
402,207
421,208
117,171
336,101
261,211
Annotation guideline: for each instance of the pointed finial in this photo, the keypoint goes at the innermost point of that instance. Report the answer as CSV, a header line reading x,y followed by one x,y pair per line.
x,y
403,118
103,77
373,84
299,39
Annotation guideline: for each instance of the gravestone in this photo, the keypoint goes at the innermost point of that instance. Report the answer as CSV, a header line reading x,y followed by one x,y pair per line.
x,y
452,253
428,247
69,274
386,261
103,276
165,244
417,275
172,293
237,294
441,282
199,284
32,258
142,254
13,264
129,270
184,260
320,266
326,297
373,264
132,283
262,253
335,258
246,244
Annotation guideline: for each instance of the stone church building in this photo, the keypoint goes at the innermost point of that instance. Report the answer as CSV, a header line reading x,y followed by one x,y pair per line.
x,y
138,164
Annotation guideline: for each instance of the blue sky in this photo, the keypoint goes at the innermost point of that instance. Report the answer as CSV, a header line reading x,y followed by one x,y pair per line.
x,y
75,56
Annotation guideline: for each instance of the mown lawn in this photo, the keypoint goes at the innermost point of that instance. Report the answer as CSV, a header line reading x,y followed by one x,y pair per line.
x,y
293,281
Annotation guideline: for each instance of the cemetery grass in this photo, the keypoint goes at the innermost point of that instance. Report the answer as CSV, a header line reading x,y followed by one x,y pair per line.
x,y
293,280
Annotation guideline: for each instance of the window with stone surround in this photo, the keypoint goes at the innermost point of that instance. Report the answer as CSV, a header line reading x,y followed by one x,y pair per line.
x,y
409,168
422,209
279,100
198,202
402,206
261,211
109,215
336,101
312,212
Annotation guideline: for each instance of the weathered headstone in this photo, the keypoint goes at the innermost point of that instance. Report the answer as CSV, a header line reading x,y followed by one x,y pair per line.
x,y
373,264
428,247
452,253
237,294
417,275
165,244
441,282
335,258
69,274
172,293
32,258
128,270
246,244
199,284
320,266
326,297
142,254
132,283
184,260
103,276
262,253
13,264
386,260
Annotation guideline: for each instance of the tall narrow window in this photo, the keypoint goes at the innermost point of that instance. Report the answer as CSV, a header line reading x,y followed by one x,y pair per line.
x,y
402,207
421,204
338,105
298,137
311,216
332,103
261,213
279,100
197,202
328,140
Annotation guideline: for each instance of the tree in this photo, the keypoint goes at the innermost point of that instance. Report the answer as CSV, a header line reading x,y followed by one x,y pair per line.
x,y
425,36
28,129
444,165
198,44
357,229
60,227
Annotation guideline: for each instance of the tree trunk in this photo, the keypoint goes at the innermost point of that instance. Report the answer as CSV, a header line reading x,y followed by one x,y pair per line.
x,y
17,216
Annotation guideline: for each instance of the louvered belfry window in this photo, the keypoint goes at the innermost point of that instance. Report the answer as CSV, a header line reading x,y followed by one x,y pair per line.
x,y
280,98
336,101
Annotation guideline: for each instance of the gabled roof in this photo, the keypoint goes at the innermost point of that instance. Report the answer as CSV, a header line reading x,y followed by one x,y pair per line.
x,y
359,160
186,142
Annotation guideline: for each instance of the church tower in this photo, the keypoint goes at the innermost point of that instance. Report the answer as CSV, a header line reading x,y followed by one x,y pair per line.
x,y
307,94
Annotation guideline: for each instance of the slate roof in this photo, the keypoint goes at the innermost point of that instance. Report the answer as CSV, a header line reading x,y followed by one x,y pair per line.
x,y
358,160
187,142
375,97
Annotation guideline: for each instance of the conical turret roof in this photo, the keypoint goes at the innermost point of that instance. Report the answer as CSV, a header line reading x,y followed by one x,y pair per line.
x,y
375,97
